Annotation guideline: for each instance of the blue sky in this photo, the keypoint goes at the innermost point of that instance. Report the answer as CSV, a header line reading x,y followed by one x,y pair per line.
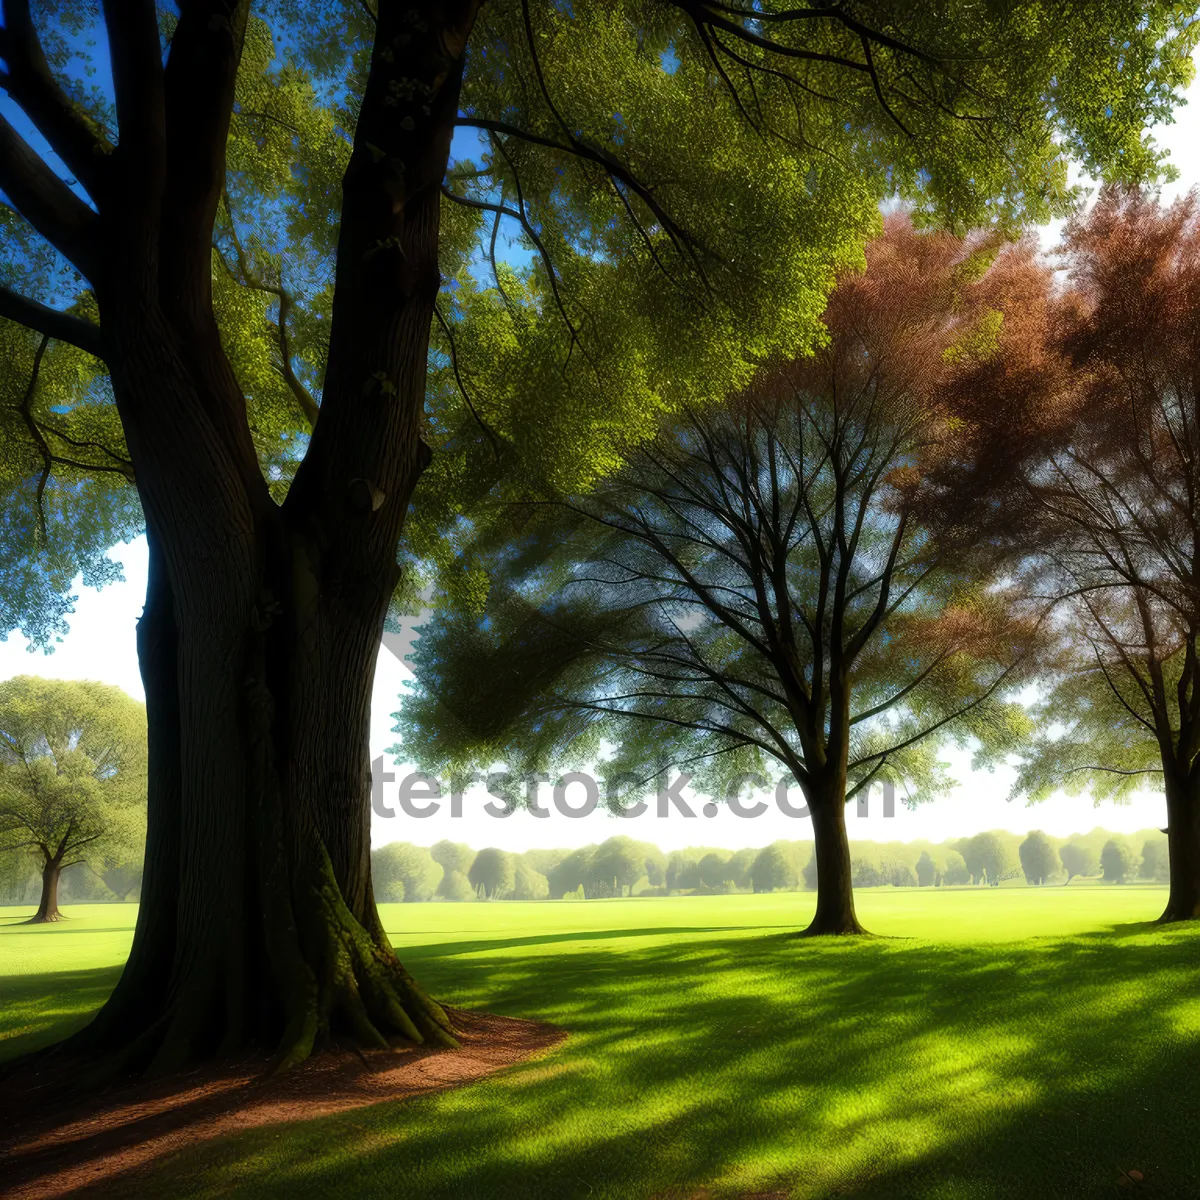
x,y
101,646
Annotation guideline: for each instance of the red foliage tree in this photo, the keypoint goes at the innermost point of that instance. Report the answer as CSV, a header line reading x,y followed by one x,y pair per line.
x,y
1084,435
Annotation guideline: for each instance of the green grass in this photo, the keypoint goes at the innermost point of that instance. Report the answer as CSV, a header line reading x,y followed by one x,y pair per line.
x,y
1017,1042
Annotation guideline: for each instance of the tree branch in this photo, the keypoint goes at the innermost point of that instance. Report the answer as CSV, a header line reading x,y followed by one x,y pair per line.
x,y
30,83
46,202
52,322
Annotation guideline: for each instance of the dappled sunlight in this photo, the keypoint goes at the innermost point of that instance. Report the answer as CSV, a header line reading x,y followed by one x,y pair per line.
x,y
713,1050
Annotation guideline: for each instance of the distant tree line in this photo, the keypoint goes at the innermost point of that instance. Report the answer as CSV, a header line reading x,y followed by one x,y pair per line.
x,y
622,866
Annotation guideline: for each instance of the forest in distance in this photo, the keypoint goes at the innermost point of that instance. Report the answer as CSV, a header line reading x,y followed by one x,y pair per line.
x,y
622,866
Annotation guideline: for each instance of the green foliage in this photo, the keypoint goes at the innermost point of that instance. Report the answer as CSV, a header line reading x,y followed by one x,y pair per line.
x,y
455,886
616,866
1156,860
1079,858
956,869
570,873
926,870
774,868
1039,858
1119,861
764,183
452,856
991,857
493,874
529,884
713,869
122,876
401,871
72,771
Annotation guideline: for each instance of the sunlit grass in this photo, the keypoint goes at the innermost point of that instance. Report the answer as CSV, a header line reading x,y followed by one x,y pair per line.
x,y
992,1043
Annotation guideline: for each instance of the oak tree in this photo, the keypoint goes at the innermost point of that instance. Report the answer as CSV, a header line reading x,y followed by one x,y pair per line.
x,y
247,234
72,776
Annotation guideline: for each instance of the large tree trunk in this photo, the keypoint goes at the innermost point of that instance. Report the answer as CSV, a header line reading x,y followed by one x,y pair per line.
x,y
48,905
1183,844
835,892
258,930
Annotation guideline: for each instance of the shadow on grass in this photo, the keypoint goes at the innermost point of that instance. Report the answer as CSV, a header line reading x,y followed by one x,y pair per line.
x,y
866,1068
38,1009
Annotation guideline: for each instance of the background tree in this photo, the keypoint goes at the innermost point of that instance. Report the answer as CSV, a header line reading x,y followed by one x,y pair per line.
x,y
1078,858
452,856
259,795
571,873
121,874
754,587
990,856
956,869
404,872
739,867
927,870
544,861
493,873
1119,861
1039,859
72,775
683,871
1094,466
713,868
529,884
774,869
455,886
618,864
1156,860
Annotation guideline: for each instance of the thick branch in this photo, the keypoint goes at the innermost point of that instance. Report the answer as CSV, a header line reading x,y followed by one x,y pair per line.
x,y
45,201
61,326
35,89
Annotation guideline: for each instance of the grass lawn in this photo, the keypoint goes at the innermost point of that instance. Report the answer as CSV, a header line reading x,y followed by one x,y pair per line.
x,y
1011,1042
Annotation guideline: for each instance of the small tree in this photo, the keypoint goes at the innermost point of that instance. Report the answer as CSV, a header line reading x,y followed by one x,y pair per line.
x,y
927,871
455,886
738,869
956,872
122,875
1118,860
683,871
1078,858
529,884
72,775
618,864
494,872
452,856
989,856
1156,861
713,869
572,873
1038,858
774,869
401,871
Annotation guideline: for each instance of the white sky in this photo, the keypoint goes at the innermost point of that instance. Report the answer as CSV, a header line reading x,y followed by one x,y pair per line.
x,y
101,646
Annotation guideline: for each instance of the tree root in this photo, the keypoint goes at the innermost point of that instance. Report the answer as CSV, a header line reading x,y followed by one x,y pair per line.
x,y
360,986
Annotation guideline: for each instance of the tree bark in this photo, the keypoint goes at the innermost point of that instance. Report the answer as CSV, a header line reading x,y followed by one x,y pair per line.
x,y
257,930
835,891
1183,845
48,905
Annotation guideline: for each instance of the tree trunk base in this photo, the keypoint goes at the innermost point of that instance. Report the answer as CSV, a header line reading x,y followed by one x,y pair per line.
x,y
1176,912
324,981
840,927
44,918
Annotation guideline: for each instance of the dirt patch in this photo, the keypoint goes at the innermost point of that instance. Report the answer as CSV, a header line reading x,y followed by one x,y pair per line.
x,y
50,1148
